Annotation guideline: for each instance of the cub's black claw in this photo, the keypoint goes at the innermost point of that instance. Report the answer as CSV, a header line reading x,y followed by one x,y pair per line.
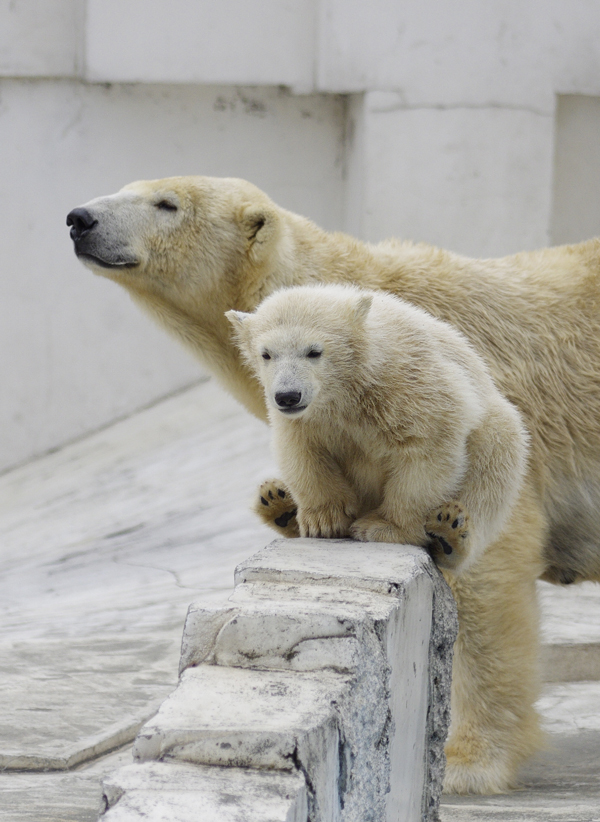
x,y
263,500
281,493
446,546
455,524
284,519
271,495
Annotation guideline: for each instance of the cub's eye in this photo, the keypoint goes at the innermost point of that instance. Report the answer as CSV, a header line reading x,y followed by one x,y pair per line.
x,y
166,205
265,355
314,353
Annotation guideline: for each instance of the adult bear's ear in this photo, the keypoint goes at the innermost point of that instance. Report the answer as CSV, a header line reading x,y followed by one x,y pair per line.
x,y
259,226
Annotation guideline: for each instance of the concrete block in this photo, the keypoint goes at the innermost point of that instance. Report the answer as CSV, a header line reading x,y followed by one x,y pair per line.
x,y
418,644
243,718
156,791
376,567
310,605
299,636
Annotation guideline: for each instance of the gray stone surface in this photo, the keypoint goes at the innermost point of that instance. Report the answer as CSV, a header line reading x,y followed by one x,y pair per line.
x,y
60,796
245,718
363,610
178,792
103,545
444,628
58,710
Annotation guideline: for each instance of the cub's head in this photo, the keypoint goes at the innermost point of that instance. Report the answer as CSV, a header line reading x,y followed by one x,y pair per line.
x,y
306,345
180,237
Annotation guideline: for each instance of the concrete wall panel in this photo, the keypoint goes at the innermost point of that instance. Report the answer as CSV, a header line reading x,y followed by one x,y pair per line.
x,y
40,39
576,205
474,180
268,43
432,52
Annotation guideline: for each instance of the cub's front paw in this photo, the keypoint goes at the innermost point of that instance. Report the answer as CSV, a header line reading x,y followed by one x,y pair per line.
x,y
448,529
276,507
327,521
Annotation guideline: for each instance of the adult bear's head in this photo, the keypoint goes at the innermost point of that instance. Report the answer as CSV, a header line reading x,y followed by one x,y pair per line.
x,y
182,238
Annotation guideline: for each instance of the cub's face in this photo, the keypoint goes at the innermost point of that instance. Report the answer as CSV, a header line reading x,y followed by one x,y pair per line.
x,y
303,345
292,365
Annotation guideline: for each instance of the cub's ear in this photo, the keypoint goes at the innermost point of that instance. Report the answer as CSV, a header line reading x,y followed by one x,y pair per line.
x,y
241,328
259,226
363,306
237,318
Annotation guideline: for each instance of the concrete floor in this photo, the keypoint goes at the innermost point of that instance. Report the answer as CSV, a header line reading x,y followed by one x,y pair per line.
x,y
104,544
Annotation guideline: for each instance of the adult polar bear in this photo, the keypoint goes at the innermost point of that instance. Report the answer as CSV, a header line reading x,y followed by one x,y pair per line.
x,y
190,248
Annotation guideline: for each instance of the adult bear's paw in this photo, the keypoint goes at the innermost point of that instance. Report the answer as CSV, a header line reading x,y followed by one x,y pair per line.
x,y
276,507
448,530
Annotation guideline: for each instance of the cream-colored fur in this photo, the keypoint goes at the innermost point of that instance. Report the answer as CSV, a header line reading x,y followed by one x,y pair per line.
x,y
386,423
190,248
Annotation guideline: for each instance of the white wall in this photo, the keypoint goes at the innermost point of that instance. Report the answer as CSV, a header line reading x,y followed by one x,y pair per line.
x,y
576,212
425,119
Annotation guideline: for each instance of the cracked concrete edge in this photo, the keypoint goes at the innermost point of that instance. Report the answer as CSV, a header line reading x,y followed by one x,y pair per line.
x,y
84,751
339,757
185,793
444,630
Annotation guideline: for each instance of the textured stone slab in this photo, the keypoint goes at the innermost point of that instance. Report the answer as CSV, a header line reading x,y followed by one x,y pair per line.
x,y
378,567
99,560
60,796
381,629
571,663
155,792
570,614
244,718
279,633
571,632
398,571
57,710
230,716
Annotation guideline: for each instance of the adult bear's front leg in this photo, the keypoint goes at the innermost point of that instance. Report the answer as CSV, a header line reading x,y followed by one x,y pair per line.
x,y
495,678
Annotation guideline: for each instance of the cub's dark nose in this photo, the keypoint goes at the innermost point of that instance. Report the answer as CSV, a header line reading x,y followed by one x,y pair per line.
x,y
81,221
288,399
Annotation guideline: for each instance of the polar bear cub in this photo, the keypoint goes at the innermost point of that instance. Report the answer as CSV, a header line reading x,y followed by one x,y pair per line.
x,y
386,423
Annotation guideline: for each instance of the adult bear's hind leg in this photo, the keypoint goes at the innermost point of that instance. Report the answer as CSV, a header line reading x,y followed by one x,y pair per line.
x,y
496,680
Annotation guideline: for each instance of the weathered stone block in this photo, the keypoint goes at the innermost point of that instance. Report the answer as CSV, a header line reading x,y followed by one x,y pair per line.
x,y
244,718
379,613
155,792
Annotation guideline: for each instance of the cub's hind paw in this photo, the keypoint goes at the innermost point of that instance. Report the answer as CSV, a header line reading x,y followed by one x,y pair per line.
x,y
276,507
448,530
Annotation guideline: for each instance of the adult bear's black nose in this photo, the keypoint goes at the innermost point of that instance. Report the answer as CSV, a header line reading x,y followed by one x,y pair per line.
x,y
81,221
288,399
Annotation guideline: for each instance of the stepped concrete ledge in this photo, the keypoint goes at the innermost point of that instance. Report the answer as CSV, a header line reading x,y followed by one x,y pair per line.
x,y
104,544
331,663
